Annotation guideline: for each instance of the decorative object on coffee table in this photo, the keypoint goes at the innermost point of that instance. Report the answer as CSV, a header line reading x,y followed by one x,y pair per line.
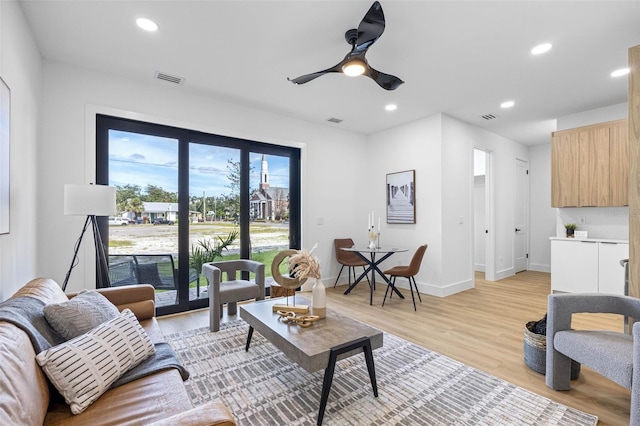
x,y
289,282
306,267
301,320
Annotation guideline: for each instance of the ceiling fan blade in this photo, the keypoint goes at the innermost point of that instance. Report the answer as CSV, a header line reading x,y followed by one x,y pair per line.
x,y
371,27
386,81
308,77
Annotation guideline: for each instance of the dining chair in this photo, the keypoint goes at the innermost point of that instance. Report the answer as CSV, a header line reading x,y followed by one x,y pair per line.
x,y
348,259
408,272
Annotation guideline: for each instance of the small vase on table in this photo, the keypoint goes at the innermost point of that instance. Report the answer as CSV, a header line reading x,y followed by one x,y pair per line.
x,y
373,237
319,299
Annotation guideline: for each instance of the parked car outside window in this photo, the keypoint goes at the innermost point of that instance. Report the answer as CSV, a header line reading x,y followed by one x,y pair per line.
x,y
162,221
113,220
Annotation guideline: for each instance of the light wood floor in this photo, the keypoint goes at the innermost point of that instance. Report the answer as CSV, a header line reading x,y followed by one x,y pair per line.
x,y
482,327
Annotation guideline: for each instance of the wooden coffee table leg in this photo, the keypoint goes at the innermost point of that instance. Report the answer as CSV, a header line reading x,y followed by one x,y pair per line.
x,y
246,348
365,344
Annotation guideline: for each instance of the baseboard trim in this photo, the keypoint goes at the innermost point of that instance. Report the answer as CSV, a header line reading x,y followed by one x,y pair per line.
x,y
430,289
504,273
446,290
539,268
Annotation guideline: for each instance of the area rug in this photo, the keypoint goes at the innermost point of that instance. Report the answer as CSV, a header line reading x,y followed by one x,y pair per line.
x,y
416,386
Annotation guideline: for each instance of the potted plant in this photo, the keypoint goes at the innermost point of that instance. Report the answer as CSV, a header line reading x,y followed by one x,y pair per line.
x,y
570,227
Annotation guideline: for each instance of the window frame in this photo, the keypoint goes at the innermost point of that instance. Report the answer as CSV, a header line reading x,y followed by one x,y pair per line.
x,y
185,137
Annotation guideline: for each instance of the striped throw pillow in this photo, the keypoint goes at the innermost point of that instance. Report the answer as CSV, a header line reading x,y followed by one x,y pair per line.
x,y
83,368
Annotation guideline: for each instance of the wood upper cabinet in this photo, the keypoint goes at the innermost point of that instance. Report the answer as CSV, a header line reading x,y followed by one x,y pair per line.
x,y
590,166
565,172
594,167
619,166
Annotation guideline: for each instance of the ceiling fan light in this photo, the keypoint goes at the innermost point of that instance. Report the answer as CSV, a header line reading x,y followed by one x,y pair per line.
x,y
354,68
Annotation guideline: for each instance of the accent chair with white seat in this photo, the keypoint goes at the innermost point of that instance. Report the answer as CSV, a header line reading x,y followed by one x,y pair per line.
x,y
615,355
234,288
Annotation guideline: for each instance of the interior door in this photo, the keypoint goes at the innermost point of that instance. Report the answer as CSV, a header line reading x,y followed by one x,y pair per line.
x,y
521,217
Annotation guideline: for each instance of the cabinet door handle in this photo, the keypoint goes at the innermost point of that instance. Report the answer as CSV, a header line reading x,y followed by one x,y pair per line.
x,y
590,242
608,242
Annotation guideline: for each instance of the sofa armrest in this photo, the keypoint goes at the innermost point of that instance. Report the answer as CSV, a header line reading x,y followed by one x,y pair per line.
x,y
140,298
209,414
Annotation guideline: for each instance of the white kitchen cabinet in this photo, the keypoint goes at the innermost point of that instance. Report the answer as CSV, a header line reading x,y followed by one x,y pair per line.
x,y
574,266
610,273
587,266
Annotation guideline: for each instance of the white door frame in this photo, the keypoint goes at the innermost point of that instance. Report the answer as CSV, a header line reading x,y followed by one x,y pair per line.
x,y
527,220
489,205
490,243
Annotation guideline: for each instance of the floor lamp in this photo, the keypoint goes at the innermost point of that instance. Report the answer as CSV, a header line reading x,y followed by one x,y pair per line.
x,y
90,201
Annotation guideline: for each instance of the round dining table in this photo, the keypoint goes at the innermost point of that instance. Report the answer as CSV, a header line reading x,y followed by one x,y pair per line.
x,y
373,257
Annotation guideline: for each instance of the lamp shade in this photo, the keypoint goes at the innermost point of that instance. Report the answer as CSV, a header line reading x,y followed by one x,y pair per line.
x,y
89,200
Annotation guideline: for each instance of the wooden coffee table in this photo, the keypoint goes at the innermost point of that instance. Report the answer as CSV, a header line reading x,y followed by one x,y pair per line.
x,y
317,347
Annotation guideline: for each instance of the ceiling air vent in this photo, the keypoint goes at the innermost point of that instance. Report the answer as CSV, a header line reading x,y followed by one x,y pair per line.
x,y
489,116
334,120
169,78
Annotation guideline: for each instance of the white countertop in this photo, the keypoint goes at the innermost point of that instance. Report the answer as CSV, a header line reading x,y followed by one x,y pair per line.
x,y
595,240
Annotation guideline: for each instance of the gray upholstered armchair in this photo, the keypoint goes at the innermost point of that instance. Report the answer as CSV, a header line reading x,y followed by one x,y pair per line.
x,y
615,355
234,288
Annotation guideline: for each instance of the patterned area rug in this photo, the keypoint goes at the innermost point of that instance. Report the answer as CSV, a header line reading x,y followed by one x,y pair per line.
x,y
416,386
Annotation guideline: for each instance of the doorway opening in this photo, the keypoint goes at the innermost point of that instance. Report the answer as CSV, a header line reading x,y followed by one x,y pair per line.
x,y
521,217
483,214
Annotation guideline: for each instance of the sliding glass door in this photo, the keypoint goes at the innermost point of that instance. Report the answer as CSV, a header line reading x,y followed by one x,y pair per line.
x,y
186,197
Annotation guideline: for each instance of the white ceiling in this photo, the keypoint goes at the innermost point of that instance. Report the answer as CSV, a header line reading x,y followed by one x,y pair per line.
x,y
462,58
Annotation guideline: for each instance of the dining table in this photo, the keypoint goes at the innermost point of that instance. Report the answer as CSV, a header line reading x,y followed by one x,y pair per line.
x,y
373,257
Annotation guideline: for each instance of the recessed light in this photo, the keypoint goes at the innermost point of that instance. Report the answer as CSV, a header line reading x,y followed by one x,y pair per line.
x,y
541,48
507,104
620,72
147,24
391,107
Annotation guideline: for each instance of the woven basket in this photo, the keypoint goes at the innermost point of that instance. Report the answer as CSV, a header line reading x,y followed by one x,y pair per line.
x,y
535,352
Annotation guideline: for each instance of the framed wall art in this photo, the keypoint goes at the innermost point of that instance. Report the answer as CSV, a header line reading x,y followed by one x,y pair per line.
x,y
5,133
401,197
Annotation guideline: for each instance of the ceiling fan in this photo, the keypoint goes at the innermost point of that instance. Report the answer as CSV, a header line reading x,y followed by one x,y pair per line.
x,y
355,63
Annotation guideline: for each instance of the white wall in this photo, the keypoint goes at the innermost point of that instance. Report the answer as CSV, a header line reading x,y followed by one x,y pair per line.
x,y
20,67
333,171
463,138
543,216
414,146
440,149
593,116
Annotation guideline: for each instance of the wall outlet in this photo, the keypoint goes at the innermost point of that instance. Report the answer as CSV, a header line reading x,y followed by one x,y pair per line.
x,y
582,220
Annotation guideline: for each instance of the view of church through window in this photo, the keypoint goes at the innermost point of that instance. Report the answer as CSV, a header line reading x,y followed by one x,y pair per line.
x,y
144,237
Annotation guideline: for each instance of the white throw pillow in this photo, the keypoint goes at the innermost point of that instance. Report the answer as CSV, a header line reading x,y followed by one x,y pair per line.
x,y
83,368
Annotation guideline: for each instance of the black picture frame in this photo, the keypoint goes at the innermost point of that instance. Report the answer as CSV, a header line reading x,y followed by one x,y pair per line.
x,y
5,164
401,197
